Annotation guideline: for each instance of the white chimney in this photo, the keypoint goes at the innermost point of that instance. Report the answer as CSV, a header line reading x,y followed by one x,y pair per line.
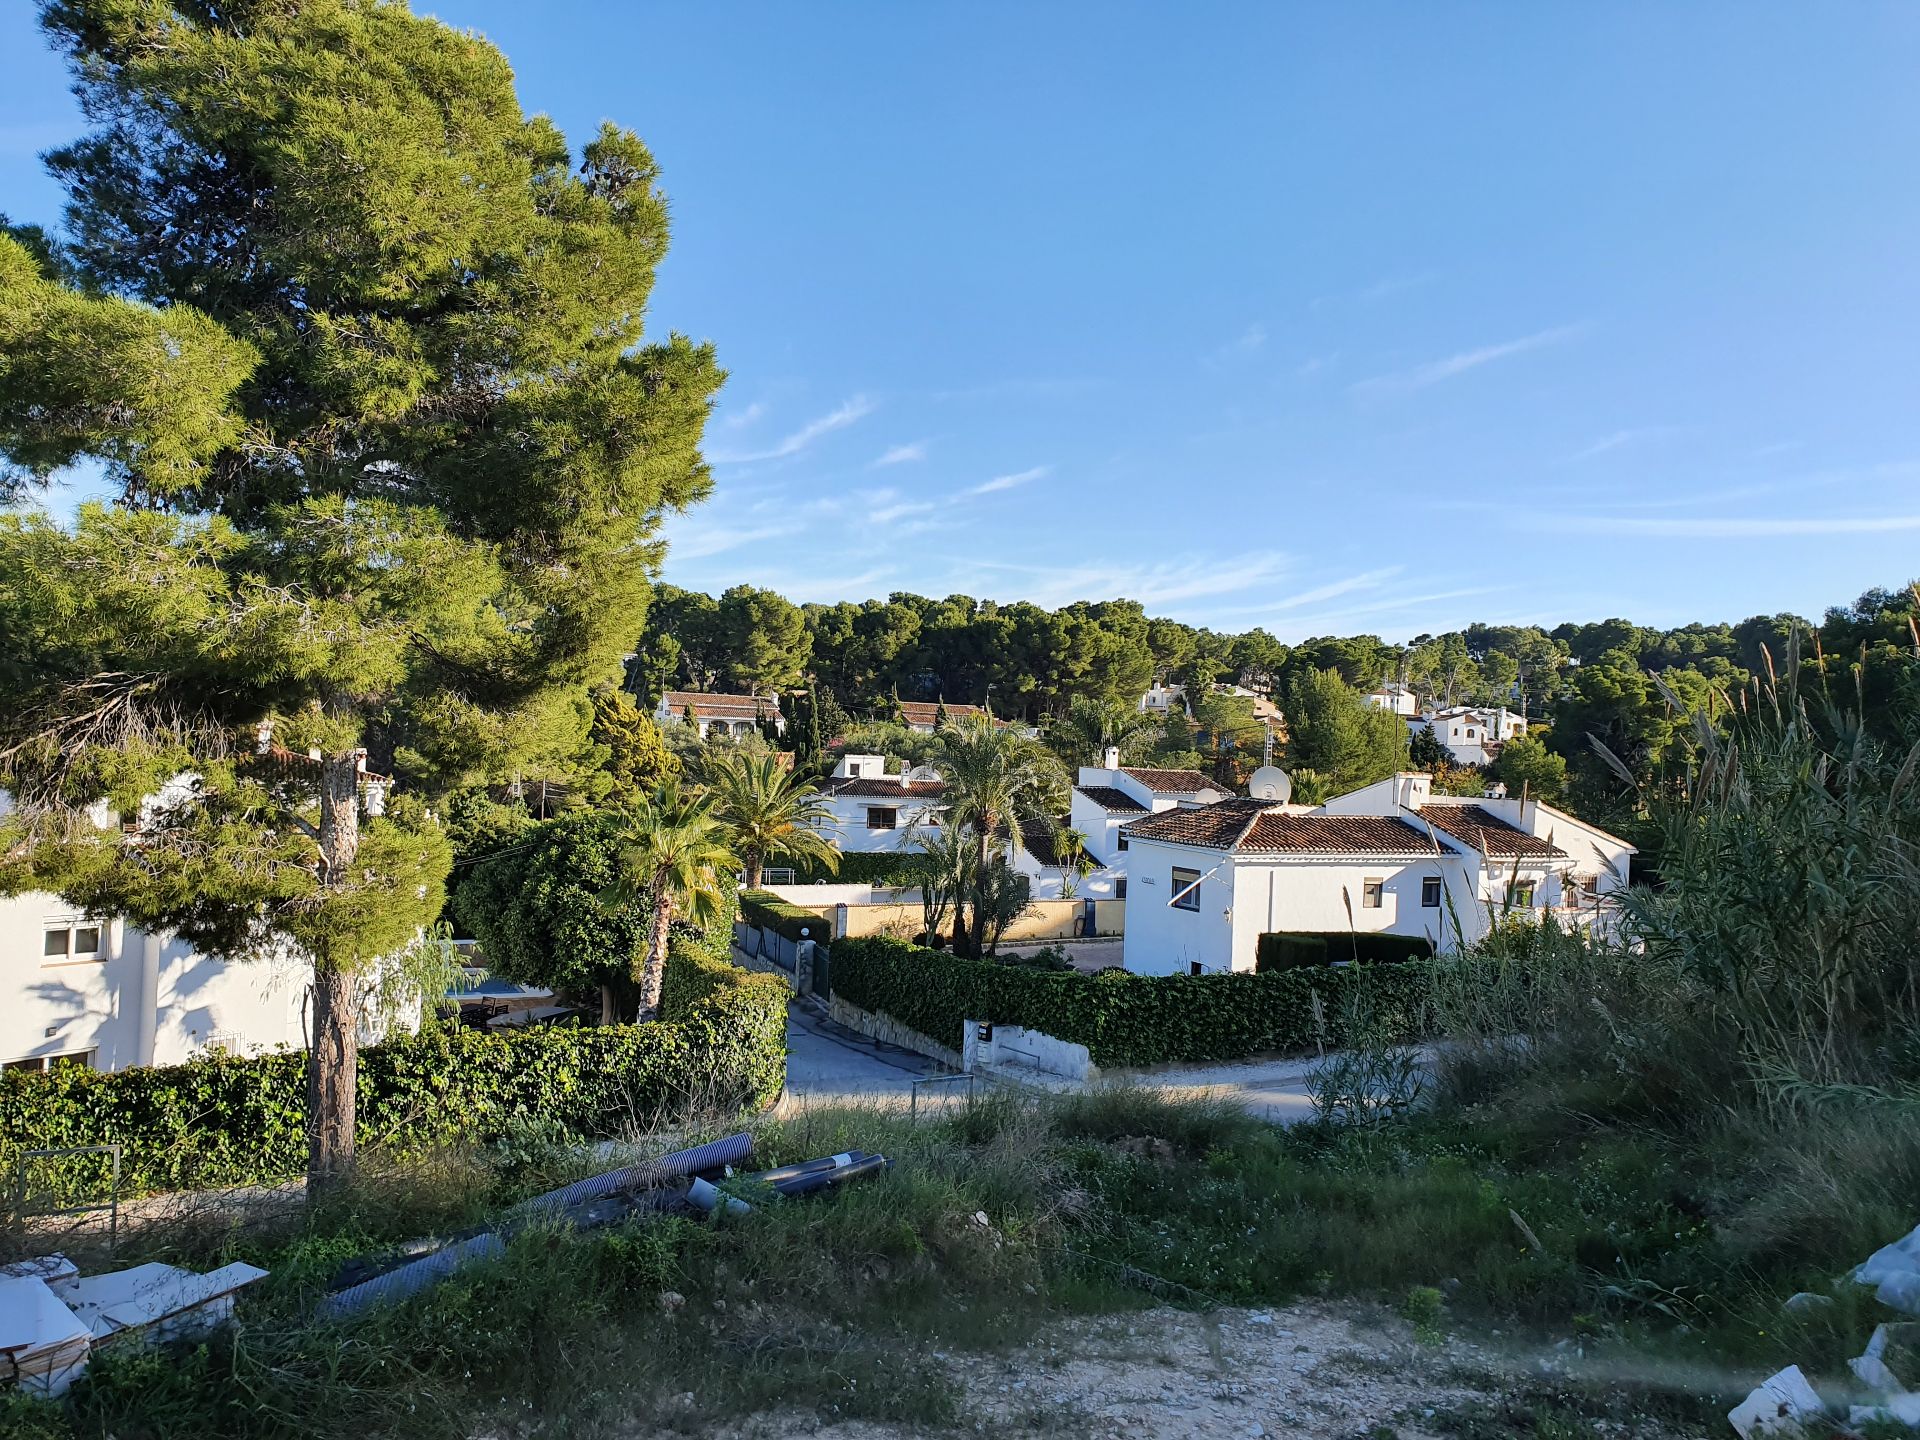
x,y
1110,757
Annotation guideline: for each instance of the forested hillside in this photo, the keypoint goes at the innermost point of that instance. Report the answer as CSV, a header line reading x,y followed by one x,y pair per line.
x,y
1079,671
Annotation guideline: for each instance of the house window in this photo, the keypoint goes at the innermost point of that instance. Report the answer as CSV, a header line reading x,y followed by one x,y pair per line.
x,y
1469,732
1186,889
1371,894
39,1064
77,941
1523,895
883,817
1194,967
1123,841
1430,893
1120,887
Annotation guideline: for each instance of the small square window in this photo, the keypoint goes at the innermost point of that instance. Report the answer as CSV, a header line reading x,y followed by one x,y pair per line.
x,y
1430,893
1194,967
1123,841
1372,893
1523,895
86,941
1186,889
882,817
59,943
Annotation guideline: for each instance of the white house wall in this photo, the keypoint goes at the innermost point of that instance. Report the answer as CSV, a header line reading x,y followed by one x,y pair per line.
x,y
96,1006
848,826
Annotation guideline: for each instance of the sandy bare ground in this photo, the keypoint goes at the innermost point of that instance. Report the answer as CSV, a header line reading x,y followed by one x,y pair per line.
x,y
1328,1369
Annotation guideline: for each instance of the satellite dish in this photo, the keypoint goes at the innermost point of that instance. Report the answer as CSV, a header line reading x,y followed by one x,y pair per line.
x,y
1270,783
923,772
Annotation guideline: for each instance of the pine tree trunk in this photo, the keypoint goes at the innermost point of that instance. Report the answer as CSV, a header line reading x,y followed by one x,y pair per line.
x,y
333,1061
653,966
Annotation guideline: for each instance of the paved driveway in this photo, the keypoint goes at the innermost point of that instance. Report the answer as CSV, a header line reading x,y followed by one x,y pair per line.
x,y
828,1062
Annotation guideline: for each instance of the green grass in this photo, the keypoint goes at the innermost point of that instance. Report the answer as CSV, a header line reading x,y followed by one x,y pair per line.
x,y
832,1305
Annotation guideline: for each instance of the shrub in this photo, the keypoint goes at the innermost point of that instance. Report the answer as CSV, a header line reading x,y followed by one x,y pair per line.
x,y
770,912
1299,949
1127,1019
229,1121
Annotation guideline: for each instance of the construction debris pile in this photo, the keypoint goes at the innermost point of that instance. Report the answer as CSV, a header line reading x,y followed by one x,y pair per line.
x,y
1888,1370
52,1318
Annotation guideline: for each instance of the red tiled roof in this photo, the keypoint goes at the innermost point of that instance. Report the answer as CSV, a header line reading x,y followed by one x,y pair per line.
x,y
1258,826
1176,782
1110,799
881,787
925,712
722,707
1487,832
287,759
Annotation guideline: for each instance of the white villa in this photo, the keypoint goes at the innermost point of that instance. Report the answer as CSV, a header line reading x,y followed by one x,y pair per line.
x,y
874,811
1160,699
1472,734
1208,881
95,990
1110,796
1395,697
721,714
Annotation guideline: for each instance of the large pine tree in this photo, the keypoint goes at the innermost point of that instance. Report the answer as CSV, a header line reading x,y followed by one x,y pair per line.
x,y
360,344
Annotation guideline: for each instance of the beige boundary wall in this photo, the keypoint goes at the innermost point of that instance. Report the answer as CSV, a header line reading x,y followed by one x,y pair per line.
x,y
885,1028
1043,920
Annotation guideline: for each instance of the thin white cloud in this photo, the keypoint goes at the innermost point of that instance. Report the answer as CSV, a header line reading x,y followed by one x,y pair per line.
x,y
1435,371
1734,527
1371,294
1249,342
903,454
1010,482
695,540
1185,578
898,510
854,409
745,417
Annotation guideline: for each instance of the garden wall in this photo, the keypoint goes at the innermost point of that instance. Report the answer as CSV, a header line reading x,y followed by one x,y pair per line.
x,y
1127,1019
231,1121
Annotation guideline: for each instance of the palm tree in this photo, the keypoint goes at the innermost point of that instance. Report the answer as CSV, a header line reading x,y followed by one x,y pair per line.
x,y
1081,736
770,812
673,857
1070,850
996,779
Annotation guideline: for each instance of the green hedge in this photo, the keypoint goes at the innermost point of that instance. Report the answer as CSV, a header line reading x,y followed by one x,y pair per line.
x,y
228,1121
1125,1019
1304,949
857,867
764,908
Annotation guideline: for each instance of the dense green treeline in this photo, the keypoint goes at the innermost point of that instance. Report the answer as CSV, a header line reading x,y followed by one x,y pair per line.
x,y
1077,671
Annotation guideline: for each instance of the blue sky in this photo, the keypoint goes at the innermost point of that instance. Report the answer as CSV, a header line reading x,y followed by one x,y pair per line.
x,y
1329,319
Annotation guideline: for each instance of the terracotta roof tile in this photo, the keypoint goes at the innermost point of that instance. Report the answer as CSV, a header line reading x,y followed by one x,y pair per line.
x,y
1257,826
1110,799
882,787
1487,832
1176,782
722,707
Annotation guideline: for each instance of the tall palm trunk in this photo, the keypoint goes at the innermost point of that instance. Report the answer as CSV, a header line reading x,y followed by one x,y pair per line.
x,y
653,964
752,862
976,944
333,1059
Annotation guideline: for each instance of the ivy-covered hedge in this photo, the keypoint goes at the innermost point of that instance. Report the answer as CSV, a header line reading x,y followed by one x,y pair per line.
x,y
1126,1019
1302,949
765,909
228,1121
